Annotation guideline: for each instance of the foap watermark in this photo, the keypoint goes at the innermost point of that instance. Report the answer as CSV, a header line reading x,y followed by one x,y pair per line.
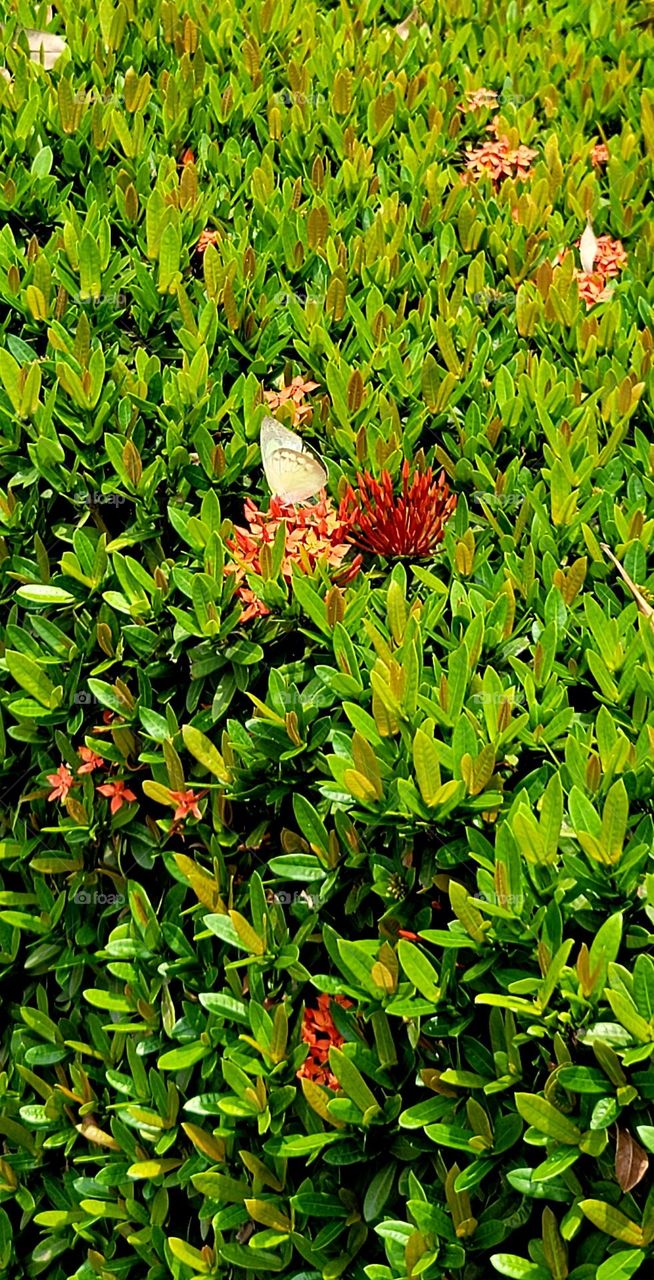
x,y
284,296
507,98
500,899
491,99
106,97
499,499
283,898
119,300
493,297
84,898
83,698
98,499
514,696
289,98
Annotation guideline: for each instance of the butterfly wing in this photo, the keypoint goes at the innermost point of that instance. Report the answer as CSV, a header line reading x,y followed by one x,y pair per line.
x,y
294,476
293,473
588,249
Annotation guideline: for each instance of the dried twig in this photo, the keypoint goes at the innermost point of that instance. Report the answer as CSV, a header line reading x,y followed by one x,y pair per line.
x,y
642,603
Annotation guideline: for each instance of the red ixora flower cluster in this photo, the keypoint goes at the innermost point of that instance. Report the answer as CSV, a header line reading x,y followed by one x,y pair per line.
x,y
63,781
293,394
499,159
610,259
410,523
313,533
600,154
319,1032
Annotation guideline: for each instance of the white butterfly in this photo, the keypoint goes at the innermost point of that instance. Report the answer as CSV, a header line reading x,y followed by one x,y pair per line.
x,y
588,248
292,471
45,44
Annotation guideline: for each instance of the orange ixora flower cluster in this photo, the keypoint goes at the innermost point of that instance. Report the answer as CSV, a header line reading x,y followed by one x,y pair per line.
x,y
321,1035
610,260
63,781
600,154
294,395
313,533
498,158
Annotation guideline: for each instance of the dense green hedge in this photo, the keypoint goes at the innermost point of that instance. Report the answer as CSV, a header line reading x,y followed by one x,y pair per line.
x,y
326,882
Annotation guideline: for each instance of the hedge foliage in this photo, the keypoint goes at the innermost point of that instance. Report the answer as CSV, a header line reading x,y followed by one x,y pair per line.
x,y
326,893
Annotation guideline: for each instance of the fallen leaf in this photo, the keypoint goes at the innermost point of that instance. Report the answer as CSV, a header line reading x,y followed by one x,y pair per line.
x,y
631,1162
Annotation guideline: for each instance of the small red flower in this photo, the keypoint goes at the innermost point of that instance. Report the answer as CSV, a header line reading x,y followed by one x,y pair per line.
x,y
592,287
409,524
61,782
119,794
294,394
207,237
610,258
91,760
187,802
600,154
187,157
406,933
321,1035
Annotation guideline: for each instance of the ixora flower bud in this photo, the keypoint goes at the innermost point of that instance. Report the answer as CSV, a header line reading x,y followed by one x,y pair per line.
x,y
335,605
411,523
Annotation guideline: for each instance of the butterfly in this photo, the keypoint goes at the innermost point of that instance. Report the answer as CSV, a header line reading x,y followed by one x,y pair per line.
x,y
293,472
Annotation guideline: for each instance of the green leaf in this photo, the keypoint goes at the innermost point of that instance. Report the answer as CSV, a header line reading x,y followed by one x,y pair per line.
x,y
540,1113
614,821
89,268
378,1192
218,1186
180,1059
625,1012
418,969
427,767
351,1081
188,1255
38,593
509,1264
258,1261
304,1144
310,602
29,675
612,1221
152,1168
311,825
6,1237
621,1266
204,751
